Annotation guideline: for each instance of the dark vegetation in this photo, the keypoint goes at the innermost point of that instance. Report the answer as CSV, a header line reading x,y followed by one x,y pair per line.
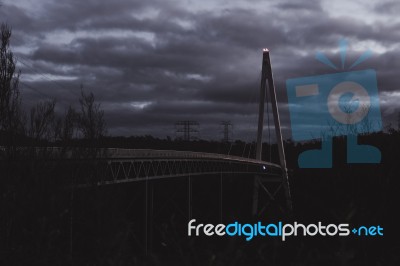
x,y
45,220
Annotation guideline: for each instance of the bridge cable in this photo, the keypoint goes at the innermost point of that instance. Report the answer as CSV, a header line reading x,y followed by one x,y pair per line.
x,y
244,149
248,156
249,101
256,118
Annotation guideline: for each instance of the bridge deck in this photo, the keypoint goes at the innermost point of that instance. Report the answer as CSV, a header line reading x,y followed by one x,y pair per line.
x,y
129,165
114,165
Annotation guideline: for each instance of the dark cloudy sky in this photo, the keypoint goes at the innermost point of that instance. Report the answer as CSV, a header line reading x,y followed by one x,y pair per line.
x,y
152,63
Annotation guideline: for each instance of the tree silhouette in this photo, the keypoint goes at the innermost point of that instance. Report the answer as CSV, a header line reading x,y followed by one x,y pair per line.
x,y
91,119
11,115
66,126
42,120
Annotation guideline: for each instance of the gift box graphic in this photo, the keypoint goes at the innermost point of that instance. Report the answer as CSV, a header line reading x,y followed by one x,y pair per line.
x,y
338,104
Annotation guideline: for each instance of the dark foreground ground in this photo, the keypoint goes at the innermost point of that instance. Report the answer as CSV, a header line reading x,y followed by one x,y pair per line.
x,y
45,222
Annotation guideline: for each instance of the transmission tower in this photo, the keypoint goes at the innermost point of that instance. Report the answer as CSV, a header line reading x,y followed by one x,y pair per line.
x,y
398,120
188,128
227,125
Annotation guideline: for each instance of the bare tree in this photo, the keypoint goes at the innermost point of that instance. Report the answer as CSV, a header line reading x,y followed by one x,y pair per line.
x,y
11,115
41,120
91,119
66,127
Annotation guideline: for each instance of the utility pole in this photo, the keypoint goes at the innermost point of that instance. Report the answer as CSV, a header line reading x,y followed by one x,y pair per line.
x,y
188,128
227,125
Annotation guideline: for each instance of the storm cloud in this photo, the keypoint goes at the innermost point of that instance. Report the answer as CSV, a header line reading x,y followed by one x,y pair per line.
x,y
152,63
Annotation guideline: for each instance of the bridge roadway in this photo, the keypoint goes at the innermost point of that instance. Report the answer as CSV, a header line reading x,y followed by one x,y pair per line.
x,y
115,165
129,165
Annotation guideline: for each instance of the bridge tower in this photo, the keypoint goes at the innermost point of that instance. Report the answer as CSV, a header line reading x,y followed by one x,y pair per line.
x,y
267,86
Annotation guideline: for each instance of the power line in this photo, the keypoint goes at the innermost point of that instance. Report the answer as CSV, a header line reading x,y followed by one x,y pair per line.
x,y
20,59
35,90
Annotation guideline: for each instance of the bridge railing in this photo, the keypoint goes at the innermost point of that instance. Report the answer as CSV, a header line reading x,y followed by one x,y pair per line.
x,y
171,154
119,153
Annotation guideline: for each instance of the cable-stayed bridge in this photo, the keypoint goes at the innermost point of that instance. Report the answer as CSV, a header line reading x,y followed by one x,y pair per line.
x,y
132,165
90,167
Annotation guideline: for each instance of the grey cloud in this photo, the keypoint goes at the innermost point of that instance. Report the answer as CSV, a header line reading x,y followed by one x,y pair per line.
x,y
388,7
189,64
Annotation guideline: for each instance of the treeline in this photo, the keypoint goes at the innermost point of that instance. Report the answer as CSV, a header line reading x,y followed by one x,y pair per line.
x,y
41,125
34,195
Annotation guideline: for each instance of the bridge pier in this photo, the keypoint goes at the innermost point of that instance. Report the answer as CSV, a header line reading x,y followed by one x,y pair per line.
x,y
189,198
149,212
221,197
